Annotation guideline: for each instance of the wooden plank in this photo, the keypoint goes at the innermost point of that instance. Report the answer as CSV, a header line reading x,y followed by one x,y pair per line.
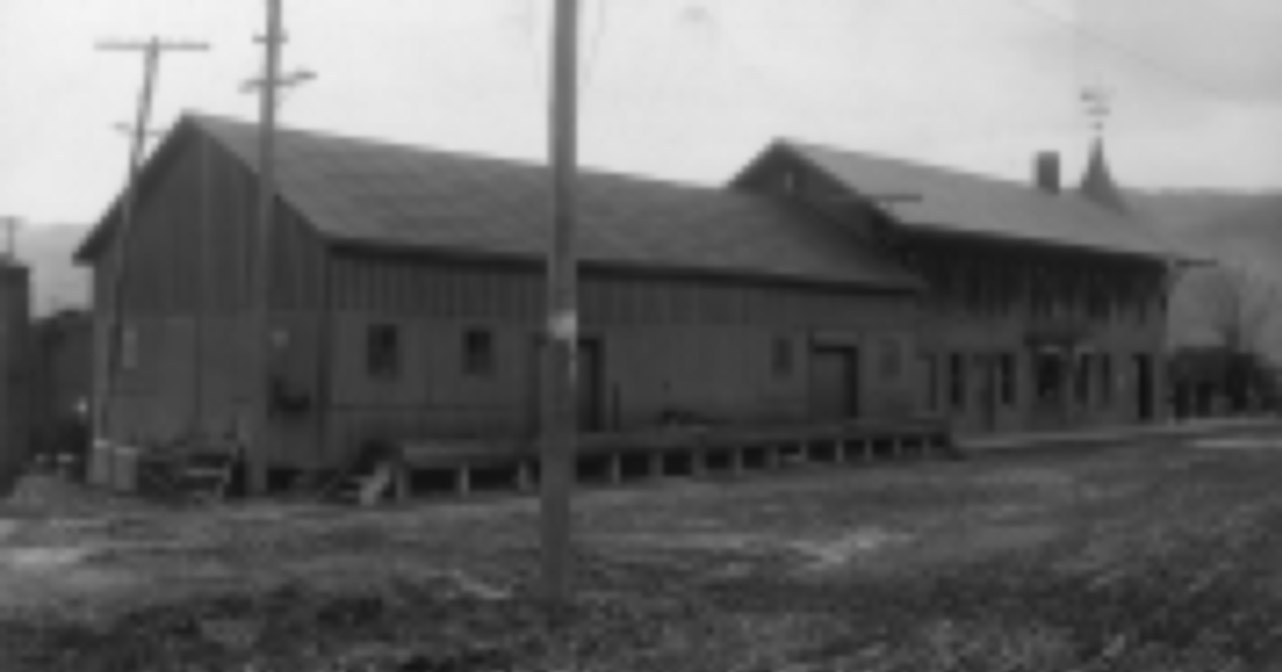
x,y
446,451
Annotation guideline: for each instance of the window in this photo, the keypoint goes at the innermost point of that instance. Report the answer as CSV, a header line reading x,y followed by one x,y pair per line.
x,y
781,357
1083,379
957,380
478,352
1006,370
383,351
1105,379
1050,370
931,364
891,359
127,349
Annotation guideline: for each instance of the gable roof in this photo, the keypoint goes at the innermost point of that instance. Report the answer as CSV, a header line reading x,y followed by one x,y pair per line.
x,y
961,203
360,191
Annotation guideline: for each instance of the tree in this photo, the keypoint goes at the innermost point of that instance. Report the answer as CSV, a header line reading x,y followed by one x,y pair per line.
x,y
1235,307
1239,305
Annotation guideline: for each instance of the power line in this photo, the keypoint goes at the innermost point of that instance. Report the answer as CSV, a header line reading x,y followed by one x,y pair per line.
x,y
1130,52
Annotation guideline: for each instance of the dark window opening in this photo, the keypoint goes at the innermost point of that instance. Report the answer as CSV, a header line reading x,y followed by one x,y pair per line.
x,y
1006,366
1083,379
1050,370
1105,379
957,380
478,352
383,351
781,357
932,382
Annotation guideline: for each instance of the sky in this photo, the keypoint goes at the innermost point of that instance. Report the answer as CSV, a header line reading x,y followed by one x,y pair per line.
x,y
679,89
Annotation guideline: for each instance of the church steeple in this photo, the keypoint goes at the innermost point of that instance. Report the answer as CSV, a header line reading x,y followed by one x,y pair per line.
x,y
1098,184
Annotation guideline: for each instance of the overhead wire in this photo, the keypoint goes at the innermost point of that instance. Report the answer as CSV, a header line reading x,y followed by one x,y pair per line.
x,y
1135,55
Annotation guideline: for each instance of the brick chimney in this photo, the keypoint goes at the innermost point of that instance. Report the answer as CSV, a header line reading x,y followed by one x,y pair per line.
x,y
1046,172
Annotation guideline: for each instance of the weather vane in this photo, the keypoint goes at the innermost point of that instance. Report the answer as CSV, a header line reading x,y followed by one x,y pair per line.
x,y
1098,103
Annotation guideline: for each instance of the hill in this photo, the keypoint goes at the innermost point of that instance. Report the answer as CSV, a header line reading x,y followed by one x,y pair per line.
x,y
1242,231
1231,226
58,282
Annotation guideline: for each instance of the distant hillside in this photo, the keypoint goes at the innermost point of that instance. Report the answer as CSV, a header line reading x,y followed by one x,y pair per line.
x,y
58,283
1242,226
1242,230
1192,209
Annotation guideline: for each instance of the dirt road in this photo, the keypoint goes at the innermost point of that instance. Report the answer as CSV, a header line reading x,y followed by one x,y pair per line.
x,y
1156,557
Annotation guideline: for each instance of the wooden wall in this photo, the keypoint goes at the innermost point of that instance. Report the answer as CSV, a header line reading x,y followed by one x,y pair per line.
x,y
695,344
187,290
985,295
698,345
1121,315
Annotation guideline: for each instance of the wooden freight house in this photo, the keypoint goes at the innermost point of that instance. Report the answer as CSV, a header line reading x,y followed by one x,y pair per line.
x,y
407,299
1046,307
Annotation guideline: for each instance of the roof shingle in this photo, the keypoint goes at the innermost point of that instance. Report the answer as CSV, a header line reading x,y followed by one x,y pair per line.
x,y
365,191
964,203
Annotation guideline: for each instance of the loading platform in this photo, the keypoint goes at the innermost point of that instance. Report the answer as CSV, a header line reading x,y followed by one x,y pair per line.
x,y
464,466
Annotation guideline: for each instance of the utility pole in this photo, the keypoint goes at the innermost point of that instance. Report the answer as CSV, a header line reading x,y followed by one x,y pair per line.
x,y
293,78
128,130
260,275
152,50
560,404
11,225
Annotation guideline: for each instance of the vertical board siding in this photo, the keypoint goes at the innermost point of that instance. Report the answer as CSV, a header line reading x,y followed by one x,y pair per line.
x,y
667,343
188,290
230,218
406,287
297,256
1023,291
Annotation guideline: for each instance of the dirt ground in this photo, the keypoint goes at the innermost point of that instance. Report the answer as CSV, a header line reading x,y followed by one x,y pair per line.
x,y
1141,558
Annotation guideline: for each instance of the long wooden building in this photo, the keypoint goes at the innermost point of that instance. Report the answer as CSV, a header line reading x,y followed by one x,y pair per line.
x,y
820,286
407,301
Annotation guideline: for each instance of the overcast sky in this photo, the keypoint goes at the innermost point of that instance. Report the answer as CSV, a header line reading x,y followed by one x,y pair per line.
x,y
683,89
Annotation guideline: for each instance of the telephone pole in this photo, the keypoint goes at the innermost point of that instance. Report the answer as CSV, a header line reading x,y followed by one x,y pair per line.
x,y
293,78
152,50
260,275
560,405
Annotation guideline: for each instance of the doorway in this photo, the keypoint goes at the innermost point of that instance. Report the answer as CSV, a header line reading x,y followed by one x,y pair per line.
x,y
1144,387
989,400
834,383
1050,401
589,387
